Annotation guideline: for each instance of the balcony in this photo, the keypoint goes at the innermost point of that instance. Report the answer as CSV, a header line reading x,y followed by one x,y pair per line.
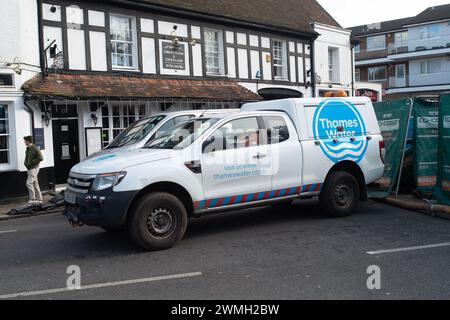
x,y
418,53
396,49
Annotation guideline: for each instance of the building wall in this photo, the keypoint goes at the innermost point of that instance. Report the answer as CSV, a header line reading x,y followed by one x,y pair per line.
x,y
337,39
83,39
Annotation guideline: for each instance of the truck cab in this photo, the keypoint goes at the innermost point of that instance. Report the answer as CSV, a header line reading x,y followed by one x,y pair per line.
x,y
269,153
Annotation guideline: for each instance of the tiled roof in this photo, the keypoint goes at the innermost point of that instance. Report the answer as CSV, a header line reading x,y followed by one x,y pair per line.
x,y
286,14
431,14
84,86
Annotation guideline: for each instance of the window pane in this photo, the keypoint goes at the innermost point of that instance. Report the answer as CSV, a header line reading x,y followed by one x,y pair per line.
x,y
4,127
277,129
241,133
377,73
122,41
4,145
376,43
4,157
3,111
213,52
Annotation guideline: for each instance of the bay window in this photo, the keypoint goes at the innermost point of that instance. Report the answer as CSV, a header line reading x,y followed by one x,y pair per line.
x,y
123,42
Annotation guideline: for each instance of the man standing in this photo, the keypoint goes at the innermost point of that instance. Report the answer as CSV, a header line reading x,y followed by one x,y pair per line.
x,y
33,157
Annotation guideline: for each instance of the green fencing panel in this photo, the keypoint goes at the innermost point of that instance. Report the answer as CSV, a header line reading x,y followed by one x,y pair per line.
x,y
425,144
393,118
442,190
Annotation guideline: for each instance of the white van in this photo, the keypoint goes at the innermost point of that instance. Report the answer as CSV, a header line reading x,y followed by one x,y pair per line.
x,y
269,153
146,129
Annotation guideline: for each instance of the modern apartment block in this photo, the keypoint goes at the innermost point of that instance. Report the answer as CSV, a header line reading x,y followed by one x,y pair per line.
x,y
409,57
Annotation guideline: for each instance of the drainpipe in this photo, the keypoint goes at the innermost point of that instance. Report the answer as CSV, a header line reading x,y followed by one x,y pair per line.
x,y
353,43
41,38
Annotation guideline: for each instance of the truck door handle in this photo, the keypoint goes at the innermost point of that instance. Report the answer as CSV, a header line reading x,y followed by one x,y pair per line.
x,y
260,156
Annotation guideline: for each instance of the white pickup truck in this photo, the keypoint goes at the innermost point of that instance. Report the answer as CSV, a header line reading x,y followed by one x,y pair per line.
x,y
268,153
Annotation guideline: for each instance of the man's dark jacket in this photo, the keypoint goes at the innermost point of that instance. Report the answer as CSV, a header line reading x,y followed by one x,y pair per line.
x,y
33,157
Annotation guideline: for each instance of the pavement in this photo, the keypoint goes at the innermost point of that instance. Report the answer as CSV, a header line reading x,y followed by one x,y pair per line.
x,y
7,205
259,253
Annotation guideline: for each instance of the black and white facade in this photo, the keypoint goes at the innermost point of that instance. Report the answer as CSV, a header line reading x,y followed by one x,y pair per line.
x,y
140,39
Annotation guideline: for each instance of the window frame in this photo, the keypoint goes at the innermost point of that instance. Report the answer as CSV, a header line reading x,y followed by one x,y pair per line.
x,y
208,137
134,43
110,118
283,59
403,42
357,74
268,138
7,135
426,63
220,53
376,48
424,32
333,65
377,80
357,48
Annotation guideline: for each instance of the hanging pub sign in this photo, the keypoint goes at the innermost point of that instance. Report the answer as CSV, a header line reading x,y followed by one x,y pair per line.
x,y
173,56
372,94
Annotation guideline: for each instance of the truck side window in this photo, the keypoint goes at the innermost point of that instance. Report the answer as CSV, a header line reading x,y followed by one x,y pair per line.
x,y
236,134
277,130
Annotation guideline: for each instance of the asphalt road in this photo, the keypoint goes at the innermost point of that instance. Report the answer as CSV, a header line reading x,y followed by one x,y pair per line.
x,y
254,254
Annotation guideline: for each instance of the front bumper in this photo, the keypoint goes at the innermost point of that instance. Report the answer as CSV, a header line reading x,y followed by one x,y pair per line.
x,y
105,209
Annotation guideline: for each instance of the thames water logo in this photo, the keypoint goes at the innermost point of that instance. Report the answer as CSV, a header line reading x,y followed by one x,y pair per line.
x,y
339,127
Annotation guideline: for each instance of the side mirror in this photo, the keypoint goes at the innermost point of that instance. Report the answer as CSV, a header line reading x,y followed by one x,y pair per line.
x,y
207,143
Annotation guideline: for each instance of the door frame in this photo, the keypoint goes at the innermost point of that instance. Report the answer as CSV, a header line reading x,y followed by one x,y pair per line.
x,y
76,142
404,75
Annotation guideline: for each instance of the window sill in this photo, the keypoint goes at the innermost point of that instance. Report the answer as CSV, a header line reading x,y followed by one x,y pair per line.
x,y
125,69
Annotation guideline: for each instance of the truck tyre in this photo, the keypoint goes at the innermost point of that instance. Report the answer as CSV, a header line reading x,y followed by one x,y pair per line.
x,y
340,194
158,221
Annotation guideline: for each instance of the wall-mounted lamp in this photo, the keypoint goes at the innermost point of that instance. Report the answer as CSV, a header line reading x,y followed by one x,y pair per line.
x,y
94,118
46,117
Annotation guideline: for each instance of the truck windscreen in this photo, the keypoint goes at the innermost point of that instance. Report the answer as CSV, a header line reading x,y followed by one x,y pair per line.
x,y
136,132
182,135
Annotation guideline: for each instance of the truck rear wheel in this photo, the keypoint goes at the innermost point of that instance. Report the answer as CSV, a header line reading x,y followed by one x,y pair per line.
x,y
158,221
340,194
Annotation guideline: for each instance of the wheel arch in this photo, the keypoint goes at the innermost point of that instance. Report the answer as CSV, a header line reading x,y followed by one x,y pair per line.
x,y
355,170
170,187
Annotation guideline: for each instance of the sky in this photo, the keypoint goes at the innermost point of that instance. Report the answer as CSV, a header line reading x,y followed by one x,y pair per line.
x,y
350,13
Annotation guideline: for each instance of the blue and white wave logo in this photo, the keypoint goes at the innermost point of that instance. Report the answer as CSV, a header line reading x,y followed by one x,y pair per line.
x,y
339,127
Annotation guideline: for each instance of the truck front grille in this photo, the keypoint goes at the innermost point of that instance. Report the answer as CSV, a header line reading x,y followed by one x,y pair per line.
x,y
80,183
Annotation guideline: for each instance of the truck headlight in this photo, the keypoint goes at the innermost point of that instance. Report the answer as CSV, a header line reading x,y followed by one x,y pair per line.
x,y
107,180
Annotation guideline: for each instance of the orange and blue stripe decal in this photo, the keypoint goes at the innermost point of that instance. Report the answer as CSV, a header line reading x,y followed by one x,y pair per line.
x,y
253,197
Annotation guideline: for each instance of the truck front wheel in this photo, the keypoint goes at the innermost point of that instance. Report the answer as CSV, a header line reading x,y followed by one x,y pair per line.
x,y
340,194
158,221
